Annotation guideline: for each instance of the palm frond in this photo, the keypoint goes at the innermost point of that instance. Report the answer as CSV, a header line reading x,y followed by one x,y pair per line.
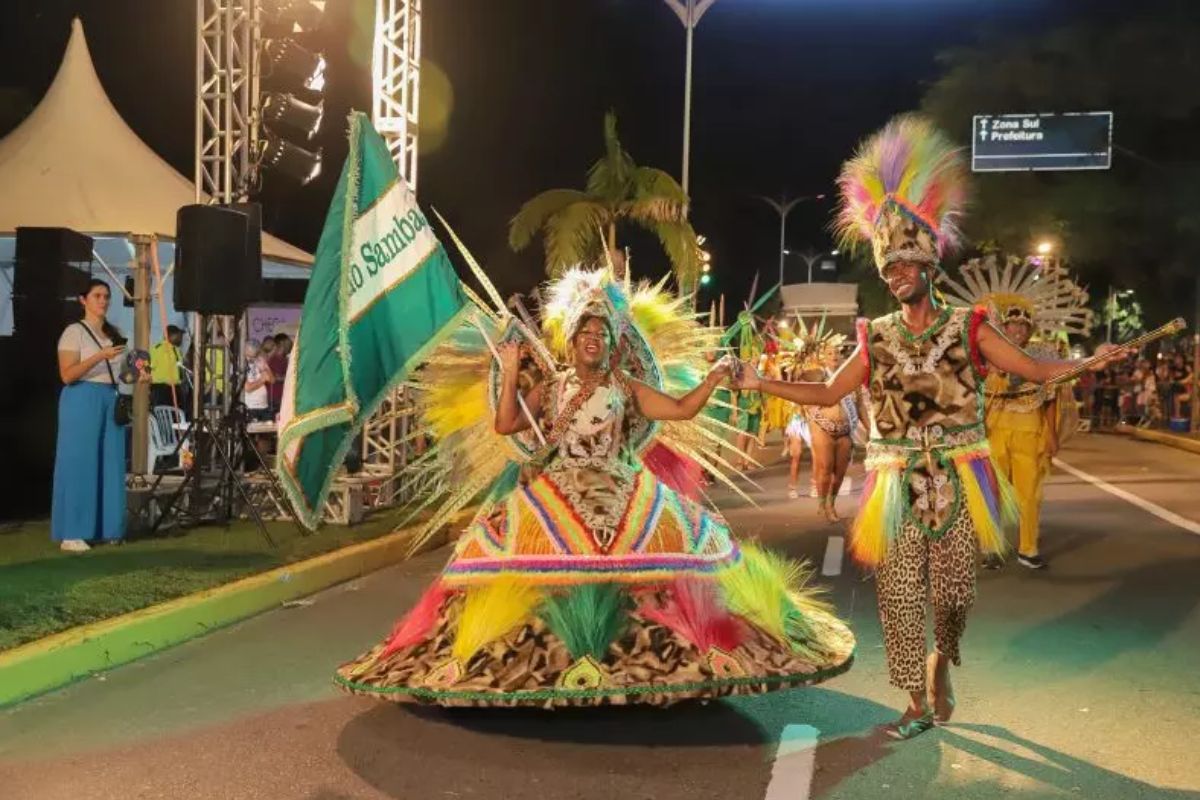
x,y
611,178
657,196
537,212
678,239
573,235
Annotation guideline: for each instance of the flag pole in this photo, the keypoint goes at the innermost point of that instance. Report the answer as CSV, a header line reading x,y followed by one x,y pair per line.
x,y
520,400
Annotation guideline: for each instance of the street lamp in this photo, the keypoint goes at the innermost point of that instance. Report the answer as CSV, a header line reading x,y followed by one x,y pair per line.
x,y
689,13
783,207
811,258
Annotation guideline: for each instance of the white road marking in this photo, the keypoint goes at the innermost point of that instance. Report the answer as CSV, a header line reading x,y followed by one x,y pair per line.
x,y
1151,508
833,556
792,772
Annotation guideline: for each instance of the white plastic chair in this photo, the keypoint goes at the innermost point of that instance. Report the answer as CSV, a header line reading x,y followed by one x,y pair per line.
x,y
164,435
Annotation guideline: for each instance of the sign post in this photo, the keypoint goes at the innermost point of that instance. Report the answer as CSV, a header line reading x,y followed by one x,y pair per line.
x,y
1024,142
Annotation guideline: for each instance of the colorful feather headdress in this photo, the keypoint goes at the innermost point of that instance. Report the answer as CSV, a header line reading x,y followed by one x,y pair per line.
x,y
578,294
1040,293
903,192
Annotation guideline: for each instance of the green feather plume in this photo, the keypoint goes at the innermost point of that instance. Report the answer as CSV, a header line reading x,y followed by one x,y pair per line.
x,y
587,618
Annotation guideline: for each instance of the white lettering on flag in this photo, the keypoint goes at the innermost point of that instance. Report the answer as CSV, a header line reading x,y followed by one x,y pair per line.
x,y
390,240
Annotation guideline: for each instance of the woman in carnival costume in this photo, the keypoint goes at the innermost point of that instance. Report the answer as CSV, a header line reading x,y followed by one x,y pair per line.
x,y
830,429
933,496
1037,305
590,574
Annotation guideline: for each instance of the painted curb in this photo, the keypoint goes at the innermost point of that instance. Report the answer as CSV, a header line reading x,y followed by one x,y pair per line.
x,y
1171,440
63,658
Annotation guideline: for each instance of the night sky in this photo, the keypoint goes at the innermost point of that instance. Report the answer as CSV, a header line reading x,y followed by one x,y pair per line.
x,y
783,90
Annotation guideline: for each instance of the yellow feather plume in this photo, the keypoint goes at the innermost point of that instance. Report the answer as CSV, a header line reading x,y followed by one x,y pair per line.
x,y
489,612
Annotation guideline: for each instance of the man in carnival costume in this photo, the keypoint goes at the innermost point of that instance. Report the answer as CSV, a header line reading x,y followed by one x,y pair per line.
x,y
933,496
1037,305
591,574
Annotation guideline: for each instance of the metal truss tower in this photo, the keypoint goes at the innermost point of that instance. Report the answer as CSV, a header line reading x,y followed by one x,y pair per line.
x,y
396,80
226,98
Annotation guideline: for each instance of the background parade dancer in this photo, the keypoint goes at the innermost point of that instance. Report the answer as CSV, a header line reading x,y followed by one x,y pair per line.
x,y
933,496
1038,306
591,575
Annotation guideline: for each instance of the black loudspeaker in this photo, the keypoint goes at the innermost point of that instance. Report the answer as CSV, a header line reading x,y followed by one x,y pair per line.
x,y
252,277
218,264
53,266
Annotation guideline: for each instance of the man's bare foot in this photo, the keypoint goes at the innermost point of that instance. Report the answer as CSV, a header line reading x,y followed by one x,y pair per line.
x,y
941,691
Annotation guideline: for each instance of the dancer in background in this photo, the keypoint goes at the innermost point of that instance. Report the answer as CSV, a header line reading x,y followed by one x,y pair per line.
x,y
806,353
832,429
1037,306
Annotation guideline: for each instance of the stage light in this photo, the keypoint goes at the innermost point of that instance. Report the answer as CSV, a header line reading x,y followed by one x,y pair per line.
x,y
279,109
288,159
285,62
706,267
783,324
1044,248
292,16
705,279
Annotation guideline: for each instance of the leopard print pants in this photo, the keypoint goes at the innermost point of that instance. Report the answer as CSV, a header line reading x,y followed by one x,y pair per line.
x,y
918,567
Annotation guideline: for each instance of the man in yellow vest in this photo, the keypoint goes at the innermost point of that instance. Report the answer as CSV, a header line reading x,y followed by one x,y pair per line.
x,y
164,369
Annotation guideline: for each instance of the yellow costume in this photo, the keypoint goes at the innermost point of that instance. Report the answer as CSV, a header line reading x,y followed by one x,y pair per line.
x,y
1020,430
1021,422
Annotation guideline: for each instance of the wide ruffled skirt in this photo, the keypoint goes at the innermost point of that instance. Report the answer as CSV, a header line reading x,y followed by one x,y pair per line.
x,y
537,607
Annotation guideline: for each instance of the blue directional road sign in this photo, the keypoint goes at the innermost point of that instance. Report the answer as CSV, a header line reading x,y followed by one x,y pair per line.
x,y
1021,142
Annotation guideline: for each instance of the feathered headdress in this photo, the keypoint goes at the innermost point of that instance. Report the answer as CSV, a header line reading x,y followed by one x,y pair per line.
x,y
578,294
811,347
1025,290
903,191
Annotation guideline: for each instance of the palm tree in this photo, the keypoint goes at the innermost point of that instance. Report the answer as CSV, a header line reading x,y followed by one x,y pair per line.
x,y
580,225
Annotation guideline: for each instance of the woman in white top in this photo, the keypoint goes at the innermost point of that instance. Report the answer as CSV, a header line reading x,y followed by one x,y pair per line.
x,y
256,393
89,465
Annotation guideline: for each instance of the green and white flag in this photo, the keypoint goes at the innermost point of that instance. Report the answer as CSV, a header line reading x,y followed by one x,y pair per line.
x,y
382,295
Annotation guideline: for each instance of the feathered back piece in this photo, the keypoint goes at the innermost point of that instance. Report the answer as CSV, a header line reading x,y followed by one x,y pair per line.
x,y
1040,293
903,192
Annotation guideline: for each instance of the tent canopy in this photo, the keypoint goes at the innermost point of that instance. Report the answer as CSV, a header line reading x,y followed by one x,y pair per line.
x,y
74,163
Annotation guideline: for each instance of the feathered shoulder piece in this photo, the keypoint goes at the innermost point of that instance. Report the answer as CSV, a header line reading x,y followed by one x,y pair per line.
x,y
903,192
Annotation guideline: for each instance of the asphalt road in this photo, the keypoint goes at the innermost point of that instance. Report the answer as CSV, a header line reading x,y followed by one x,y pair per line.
x,y
1079,681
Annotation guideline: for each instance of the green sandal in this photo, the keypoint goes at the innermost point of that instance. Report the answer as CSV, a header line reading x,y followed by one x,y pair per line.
x,y
909,727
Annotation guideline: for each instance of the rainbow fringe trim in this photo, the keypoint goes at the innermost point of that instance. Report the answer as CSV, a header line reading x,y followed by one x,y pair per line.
x,y
989,499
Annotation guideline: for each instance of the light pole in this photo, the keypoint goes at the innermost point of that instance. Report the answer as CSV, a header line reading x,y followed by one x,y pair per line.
x,y
783,207
809,259
689,13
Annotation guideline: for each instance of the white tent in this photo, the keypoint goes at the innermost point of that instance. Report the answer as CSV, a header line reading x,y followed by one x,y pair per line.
x,y
74,163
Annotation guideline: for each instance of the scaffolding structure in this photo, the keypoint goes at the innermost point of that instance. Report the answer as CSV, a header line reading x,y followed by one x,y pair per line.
x,y
389,441
396,81
226,99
